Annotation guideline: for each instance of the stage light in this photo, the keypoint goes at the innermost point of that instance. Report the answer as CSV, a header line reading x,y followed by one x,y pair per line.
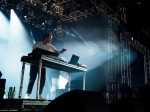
x,y
18,44
132,38
139,3
4,26
14,42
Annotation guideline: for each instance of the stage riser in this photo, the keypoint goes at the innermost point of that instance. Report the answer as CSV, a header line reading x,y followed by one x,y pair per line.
x,y
23,105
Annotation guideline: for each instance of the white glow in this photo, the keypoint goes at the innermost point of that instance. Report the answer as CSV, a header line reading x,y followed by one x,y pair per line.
x,y
92,51
18,33
15,42
132,38
4,26
63,79
19,41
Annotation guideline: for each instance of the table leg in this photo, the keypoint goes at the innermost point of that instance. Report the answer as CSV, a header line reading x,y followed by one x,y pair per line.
x,y
39,78
21,82
84,78
69,83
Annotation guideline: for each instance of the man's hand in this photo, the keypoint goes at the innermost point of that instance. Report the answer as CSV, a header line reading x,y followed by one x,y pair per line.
x,y
63,50
59,52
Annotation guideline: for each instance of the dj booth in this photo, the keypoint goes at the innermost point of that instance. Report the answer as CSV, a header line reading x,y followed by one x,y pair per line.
x,y
48,59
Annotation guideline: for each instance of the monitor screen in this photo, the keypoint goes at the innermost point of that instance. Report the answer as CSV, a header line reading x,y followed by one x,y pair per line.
x,y
74,59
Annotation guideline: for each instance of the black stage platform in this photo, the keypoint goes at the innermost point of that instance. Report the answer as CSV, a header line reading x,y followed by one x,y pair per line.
x,y
23,104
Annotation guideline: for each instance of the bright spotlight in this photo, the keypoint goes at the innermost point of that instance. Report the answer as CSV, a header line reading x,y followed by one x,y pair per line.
x,y
132,38
4,26
18,36
13,48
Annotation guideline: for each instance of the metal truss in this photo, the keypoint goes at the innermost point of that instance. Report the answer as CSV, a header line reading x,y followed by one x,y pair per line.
x,y
78,14
74,16
126,39
99,6
57,9
138,46
113,57
125,59
147,66
115,7
145,52
64,3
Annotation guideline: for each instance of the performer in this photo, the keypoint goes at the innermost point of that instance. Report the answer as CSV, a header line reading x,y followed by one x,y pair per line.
x,y
45,44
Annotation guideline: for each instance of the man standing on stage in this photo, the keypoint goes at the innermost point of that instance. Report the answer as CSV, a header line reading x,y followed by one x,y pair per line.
x,y
46,45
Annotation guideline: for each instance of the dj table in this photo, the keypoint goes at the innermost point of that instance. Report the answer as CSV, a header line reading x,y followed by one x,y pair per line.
x,y
49,61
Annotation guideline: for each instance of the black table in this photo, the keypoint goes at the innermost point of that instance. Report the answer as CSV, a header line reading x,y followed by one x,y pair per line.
x,y
49,62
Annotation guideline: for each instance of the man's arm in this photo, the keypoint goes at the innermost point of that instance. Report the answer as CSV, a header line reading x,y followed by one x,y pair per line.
x,y
60,52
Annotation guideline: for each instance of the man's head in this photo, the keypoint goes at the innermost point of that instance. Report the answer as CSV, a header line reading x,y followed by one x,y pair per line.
x,y
47,37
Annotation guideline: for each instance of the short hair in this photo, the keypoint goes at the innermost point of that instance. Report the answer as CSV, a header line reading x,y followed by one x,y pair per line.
x,y
46,35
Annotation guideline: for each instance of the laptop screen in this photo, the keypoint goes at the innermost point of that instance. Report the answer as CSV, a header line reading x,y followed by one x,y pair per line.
x,y
74,59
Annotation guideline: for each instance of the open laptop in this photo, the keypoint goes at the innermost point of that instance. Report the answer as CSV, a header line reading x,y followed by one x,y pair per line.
x,y
74,59
45,52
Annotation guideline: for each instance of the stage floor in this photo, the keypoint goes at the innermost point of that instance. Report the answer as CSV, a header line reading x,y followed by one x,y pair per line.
x,y
23,104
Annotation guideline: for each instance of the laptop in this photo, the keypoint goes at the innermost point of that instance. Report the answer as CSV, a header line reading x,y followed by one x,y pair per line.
x,y
45,52
74,59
